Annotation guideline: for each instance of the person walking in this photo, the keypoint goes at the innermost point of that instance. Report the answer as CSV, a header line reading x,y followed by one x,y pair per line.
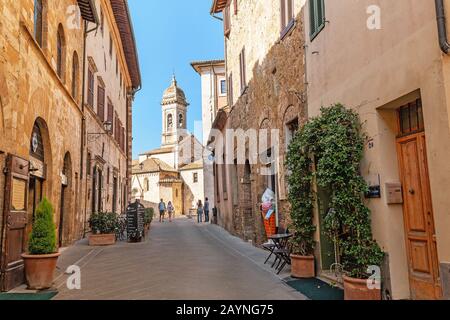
x,y
170,210
199,211
162,210
206,210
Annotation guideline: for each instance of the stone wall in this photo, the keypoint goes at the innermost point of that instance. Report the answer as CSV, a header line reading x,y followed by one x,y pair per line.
x,y
31,90
105,151
273,98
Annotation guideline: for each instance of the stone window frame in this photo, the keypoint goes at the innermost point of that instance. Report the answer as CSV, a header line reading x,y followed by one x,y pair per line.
x,y
223,87
75,75
41,37
317,18
287,18
61,53
169,121
101,89
92,70
243,71
227,20
290,114
195,177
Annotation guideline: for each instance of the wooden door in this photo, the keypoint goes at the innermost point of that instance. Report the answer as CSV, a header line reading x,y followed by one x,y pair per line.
x,y
15,222
418,216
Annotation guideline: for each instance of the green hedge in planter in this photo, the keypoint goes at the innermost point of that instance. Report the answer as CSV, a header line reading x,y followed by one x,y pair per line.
x,y
148,215
43,235
104,223
329,149
301,197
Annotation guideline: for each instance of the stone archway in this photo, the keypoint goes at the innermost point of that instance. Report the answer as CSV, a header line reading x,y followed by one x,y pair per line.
x,y
66,204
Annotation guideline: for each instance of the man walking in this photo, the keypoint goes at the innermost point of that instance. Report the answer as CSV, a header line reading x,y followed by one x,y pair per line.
x,y
206,210
162,210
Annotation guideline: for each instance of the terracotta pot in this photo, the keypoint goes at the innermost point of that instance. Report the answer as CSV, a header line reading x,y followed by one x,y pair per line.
x,y
102,239
357,289
40,270
302,266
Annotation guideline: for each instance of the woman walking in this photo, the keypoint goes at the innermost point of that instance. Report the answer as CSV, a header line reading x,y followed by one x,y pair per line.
x,y
170,210
199,211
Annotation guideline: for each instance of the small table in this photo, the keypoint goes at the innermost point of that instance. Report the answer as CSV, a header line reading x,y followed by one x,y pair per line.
x,y
280,240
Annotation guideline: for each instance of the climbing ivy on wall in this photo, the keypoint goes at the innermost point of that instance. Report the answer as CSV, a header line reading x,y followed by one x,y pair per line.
x,y
335,140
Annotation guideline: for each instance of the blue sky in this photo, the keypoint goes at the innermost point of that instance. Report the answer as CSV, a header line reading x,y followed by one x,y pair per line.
x,y
170,34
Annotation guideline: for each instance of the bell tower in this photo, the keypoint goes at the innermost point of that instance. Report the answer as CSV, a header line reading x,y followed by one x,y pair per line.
x,y
174,114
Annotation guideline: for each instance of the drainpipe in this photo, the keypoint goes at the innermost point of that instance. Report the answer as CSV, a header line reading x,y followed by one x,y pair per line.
x,y
83,120
130,99
442,26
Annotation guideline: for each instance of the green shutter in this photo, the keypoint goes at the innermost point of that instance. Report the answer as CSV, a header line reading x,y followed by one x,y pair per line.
x,y
317,16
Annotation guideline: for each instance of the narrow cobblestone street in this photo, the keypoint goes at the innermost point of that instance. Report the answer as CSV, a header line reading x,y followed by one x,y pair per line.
x,y
179,260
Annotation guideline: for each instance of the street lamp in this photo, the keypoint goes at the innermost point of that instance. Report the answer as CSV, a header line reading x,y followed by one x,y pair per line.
x,y
107,126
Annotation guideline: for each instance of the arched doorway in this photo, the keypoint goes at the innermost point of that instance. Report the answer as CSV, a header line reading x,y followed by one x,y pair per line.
x,y
40,157
66,201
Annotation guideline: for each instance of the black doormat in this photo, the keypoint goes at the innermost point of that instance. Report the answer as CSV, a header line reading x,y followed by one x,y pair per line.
x,y
316,289
44,295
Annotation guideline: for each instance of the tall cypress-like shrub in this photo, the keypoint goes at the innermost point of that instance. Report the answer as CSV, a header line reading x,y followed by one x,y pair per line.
x,y
43,236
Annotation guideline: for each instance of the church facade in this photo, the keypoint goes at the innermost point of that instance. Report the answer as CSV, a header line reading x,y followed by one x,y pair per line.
x,y
173,172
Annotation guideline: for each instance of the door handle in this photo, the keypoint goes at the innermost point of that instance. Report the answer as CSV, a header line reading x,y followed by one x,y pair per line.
x,y
412,191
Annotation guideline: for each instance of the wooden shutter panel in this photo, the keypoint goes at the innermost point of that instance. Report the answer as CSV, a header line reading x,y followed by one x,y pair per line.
x,y
122,137
111,116
312,16
101,103
243,68
230,90
283,14
118,125
90,88
320,13
226,20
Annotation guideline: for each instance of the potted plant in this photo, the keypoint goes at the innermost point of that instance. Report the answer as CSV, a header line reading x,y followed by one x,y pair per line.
x,y
103,227
301,200
40,261
148,217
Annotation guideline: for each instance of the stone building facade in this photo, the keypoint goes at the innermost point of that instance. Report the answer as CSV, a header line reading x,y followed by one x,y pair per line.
x,y
42,120
265,69
395,75
214,98
110,77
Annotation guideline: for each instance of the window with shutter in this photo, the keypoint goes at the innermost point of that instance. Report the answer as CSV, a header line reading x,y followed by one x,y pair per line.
x,y
316,17
38,22
287,16
116,128
226,21
90,88
60,52
111,116
122,138
230,90
110,45
102,22
101,103
75,70
243,70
